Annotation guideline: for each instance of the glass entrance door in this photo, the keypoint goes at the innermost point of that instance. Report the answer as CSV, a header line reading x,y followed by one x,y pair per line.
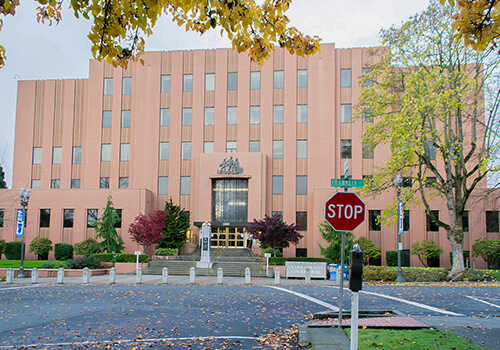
x,y
228,237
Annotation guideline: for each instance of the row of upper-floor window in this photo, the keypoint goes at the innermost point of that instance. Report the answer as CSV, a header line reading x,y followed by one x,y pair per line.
x,y
368,150
232,81
104,182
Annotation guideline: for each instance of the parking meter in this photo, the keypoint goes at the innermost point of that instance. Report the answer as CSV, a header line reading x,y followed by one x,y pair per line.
x,y
356,269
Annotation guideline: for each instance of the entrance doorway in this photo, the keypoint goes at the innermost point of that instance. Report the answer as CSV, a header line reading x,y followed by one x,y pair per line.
x,y
228,237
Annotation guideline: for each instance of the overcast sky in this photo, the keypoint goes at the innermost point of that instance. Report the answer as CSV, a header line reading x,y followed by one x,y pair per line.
x,y
36,51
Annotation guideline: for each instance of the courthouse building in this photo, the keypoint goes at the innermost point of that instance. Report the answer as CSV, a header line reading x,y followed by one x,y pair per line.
x,y
227,139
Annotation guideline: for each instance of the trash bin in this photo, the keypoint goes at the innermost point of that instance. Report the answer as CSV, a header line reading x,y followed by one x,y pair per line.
x,y
332,268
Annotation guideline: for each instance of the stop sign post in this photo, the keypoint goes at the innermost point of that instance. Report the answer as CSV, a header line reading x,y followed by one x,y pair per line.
x,y
345,211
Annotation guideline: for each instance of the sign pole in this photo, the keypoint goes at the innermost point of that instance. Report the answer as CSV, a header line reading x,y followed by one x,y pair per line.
x,y
354,320
342,260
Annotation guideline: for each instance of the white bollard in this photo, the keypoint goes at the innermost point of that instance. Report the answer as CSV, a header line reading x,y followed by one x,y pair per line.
x,y
277,276
308,276
248,276
192,275
164,275
340,274
220,275
112,275
86,275
138,276
34,275
60,275
10,275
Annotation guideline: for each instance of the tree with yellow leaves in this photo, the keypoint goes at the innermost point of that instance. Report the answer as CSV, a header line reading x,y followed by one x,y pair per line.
x,y
435,102
119,27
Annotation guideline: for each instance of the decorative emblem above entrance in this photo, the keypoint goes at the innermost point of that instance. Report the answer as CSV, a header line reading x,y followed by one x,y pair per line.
x,y
230,167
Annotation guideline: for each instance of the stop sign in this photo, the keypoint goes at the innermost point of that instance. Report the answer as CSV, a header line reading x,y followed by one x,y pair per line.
x,y
345,211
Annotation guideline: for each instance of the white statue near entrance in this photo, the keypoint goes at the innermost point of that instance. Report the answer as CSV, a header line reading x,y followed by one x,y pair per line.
x,y
206,232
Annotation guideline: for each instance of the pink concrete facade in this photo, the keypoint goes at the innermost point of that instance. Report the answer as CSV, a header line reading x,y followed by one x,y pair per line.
x,y
56,118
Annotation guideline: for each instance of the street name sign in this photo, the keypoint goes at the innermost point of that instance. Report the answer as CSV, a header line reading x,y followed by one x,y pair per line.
x,y
345,211
347,183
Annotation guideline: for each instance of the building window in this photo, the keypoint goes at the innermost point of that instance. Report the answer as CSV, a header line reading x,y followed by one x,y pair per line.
x,y
232,81
208,147
254,114
301,184
108,86
345,113
406,220
104,182
185,150
232,115
302,78
187,82
187,116
127,86
210,82
185,185
345,149
44,218
274,213
367,151
301,149
165,83
91,217
165,117
430,150
278,79
209,116
301,114
125,152
126,118
278,149
345,78
56,155
374,221
230,200
35,184
55,183
106,152
37,155
68,216
230,146
119,213
367,114
163,185
75,183
301,220
77,155
431,182
278,114
1,217
367,82
254,80
432,225
164,148
107,118
278,184
254,146
492,225
465,221
407,182
123,182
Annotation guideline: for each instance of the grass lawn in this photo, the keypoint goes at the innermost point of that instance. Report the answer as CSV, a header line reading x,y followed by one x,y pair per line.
x,y
29,264
372,338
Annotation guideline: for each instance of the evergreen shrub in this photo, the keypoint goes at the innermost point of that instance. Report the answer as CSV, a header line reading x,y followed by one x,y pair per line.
x,y
91,262
63,251
391,256
13,250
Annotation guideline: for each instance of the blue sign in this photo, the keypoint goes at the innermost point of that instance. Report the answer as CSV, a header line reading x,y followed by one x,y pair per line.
x,y
20,223
400,217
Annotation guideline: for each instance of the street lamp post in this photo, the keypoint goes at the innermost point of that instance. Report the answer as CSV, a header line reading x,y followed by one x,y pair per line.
x,y
398,182
25,196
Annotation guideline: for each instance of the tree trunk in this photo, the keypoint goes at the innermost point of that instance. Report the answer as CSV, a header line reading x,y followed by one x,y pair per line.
x,y
457,247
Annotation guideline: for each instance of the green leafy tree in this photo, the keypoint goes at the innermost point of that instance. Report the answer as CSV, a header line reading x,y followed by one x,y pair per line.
x,y
3,184
119,27
334,238
488,249
105,229
41,246
425,98
177,222
369,249
426,251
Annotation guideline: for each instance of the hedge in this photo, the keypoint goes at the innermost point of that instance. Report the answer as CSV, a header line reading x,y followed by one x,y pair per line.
x,y
63,251
13,250
391,256
108,257
281,261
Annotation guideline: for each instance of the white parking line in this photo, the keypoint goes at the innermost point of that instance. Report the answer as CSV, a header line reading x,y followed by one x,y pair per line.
x,y
123,341
482,301
314,300
7,288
